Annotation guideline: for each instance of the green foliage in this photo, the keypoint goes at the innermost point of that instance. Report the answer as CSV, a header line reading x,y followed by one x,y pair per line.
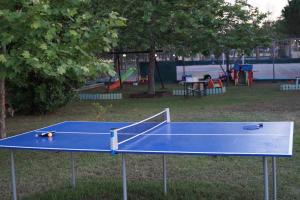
x,y
180,26
54,40
35,93
291,19
240,27
101,110
183,27
186,27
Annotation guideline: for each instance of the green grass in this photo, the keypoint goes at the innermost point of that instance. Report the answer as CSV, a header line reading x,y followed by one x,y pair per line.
x,y
46,175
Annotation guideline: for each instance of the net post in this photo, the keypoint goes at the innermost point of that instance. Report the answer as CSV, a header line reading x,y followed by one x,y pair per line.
x,y
168,118
113,141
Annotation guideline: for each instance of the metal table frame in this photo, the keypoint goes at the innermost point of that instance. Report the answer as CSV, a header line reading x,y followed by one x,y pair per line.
x,y
164,163
164,160
198,91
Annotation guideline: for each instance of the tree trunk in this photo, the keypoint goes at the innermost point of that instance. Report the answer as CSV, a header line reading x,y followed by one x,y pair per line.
x,y
119,71
2,100
257,53
2,106
159,75
152,51
151,70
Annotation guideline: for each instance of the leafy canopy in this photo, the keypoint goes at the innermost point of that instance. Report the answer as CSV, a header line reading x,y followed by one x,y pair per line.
x,y
54,37
181,26
291,19
240,28
48,47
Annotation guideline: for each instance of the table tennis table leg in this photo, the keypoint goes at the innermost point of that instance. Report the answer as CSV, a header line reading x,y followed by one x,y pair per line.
x,y
266,178
73,175
165,173
13,176
124,177
274,178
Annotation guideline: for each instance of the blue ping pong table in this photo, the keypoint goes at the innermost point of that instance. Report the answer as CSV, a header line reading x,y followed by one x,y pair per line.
x,y
265,139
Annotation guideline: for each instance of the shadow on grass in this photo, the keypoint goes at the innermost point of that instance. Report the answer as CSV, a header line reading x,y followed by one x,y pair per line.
x,y
146,190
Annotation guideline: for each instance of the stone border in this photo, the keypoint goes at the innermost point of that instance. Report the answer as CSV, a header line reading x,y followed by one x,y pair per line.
x,y
289,87
106,96
207,92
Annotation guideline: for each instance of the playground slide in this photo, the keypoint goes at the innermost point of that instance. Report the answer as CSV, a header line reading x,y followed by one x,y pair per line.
x,y
124,77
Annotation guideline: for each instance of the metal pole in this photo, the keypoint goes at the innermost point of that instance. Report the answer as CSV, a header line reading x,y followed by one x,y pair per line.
x,y
13,176
274,179
243,58
273,59
183,66
124,177
159,75
165,173
266,180
223,59
73,175
119,71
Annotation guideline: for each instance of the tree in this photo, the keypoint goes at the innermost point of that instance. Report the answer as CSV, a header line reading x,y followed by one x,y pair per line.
x,y
183,27
240,28
291,18
51,39
144,28
186,27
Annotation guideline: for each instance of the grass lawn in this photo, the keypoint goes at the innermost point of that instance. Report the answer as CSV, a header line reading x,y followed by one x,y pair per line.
x,y
46,175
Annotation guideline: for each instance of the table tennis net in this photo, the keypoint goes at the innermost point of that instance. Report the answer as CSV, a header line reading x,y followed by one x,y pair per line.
x,y
132,131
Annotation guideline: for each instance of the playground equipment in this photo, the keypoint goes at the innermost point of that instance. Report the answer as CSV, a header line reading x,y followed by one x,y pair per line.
x,y
121,59
124,78
214,83
144,79
243,74
289,87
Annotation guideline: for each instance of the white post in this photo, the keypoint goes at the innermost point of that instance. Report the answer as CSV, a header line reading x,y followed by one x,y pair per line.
x,y
113,140
168,115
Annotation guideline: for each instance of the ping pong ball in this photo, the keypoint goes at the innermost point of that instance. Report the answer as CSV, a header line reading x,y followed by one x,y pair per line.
x,y
49,134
